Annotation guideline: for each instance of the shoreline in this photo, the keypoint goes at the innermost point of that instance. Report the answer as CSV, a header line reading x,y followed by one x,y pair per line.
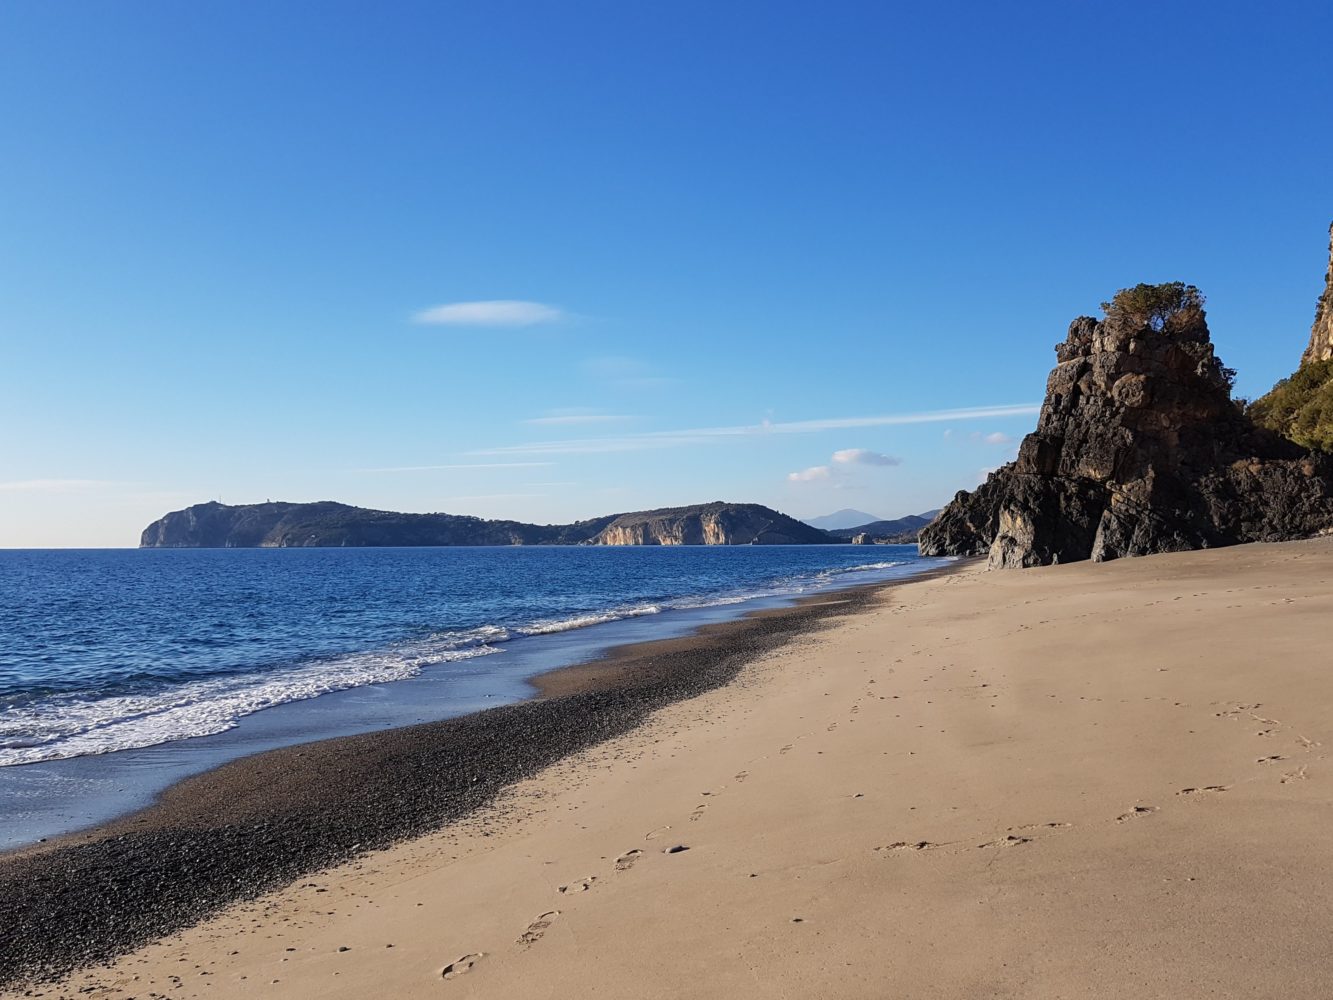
x,y
1091,780
265,820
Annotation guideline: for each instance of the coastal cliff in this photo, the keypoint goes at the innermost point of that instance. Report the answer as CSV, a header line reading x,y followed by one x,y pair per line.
x,y
709,524
1321,334
1139,449
1301,407
290,525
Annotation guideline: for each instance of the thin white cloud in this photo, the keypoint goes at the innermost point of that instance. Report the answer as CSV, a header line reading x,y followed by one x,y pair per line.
x,y
570,418
998,437
494,312
464,465
669,439
863,456
810,475
56,485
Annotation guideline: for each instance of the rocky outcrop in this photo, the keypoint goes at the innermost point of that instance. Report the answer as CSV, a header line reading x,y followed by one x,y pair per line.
x,y
1138,449
710,524
1321,335
287,525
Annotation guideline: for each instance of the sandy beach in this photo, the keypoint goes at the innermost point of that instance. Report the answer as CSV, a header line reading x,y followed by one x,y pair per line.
x,y
1074,781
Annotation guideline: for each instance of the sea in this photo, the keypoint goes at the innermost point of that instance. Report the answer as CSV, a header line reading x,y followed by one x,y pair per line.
x,y
122,671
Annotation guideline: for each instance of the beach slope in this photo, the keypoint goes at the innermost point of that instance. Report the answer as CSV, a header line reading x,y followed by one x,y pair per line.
x,y
1075,781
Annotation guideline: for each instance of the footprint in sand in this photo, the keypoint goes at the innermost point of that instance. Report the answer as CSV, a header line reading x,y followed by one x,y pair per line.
x,y
1296,775
538,928
1307,744
626,861
654,834
1271,759
785,749
1009,841
1135,813
1204,790
461,966
698,812
903,845
579,885
741,775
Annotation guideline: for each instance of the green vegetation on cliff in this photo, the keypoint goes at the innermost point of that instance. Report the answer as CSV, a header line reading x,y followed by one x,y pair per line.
x,y
1300,407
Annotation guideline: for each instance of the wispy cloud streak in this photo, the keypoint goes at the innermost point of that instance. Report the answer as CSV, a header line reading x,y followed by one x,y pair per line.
x,y
574,419
864,456
701,435
462,465
494,312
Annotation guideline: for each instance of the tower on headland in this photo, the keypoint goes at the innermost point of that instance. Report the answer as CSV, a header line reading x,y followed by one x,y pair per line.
x,y
1321,334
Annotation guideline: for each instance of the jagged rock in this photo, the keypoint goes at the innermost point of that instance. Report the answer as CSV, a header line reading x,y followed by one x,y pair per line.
x,y
1321,335
285,525
1138,449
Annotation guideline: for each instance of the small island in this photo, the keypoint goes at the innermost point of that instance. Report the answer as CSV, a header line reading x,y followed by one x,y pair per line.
x,y
329,524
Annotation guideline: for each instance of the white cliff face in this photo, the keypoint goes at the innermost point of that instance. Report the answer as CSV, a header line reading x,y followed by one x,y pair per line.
x,y
1321,334
698,530
710,524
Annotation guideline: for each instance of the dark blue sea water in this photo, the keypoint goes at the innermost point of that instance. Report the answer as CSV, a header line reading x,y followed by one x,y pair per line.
x,y
104,651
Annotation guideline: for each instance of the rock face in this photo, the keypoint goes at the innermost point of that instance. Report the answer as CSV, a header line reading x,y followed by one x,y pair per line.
x,y
285,525
709,524
1138,449
1321,335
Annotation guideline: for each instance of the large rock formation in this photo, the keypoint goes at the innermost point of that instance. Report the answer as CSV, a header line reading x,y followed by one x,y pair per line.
x,y
285,525
1138,449
1321,335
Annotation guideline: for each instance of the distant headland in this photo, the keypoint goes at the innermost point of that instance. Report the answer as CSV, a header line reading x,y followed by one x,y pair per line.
x,y
329,524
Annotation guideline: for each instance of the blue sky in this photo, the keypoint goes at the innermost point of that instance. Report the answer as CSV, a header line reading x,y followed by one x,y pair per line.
x,y
701,248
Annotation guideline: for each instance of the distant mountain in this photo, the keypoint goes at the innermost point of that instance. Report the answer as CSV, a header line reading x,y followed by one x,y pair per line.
x,y
845,518
903,529
290,525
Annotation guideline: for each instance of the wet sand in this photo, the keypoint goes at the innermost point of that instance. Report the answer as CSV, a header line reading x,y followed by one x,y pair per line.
x,y
1081,781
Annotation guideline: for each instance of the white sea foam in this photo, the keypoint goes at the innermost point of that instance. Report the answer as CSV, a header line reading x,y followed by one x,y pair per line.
x,y
583,621
73,726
